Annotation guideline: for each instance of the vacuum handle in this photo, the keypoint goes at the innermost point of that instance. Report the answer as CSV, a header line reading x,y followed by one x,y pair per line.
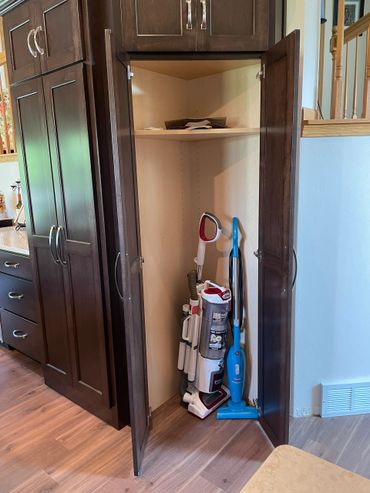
x,y
235,237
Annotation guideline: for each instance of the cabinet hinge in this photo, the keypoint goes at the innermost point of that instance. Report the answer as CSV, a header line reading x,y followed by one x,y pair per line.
x,y
149,418
258,253
261,74
130,73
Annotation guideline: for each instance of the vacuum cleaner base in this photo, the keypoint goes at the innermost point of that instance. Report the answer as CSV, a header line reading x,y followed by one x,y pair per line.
x,y
202,404
239,410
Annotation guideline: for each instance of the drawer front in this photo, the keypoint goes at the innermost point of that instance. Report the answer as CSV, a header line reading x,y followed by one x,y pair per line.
x,y
22,335
15,265
18,296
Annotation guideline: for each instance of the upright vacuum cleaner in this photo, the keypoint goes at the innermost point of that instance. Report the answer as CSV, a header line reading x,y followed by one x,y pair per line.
x,y
202,345
236,407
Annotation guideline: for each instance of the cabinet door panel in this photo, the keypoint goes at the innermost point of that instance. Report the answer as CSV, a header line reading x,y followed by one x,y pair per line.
x,y
61,33
70,153
36,174
35,145
279,138
54,315
159,25
17,26
233,25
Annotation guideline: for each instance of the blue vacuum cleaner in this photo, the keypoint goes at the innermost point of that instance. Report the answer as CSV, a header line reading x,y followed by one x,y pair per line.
x,y
236,407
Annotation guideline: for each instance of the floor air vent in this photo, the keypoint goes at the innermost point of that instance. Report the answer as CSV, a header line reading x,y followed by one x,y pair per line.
x,y
345,399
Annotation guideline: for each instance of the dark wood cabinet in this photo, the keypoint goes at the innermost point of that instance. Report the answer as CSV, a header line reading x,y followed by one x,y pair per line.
x,y
233,25
23,60
201,25
159,25
41,36
76,236
61,35
33,150
53,139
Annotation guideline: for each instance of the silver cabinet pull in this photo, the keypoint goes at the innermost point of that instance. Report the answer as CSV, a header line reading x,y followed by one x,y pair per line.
x,y
295,268
15,296
30,49
19,334
51,244
11,265
116,276
203,24
35,34
189,22
61,247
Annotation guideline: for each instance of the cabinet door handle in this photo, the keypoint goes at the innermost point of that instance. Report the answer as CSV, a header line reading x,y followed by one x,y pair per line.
x,y
51,244
116,276
203,24
11,265
35,34
61,247
12,295
189,22
20,334
30,49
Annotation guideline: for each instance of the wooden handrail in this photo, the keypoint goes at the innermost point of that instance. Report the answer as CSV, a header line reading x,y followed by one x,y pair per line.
x,y
359,27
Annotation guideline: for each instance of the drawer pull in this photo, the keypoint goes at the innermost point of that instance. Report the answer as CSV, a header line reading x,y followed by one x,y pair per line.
x,y
15,296
20,334
11,265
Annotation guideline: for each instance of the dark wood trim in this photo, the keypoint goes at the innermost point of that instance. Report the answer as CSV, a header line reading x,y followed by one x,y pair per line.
x,y
7,5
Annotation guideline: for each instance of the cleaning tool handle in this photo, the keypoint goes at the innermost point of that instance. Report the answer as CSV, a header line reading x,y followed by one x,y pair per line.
x,y
192,282
235,237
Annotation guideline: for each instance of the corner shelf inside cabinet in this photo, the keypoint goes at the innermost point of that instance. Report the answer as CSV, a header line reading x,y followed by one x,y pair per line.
x,y
193,135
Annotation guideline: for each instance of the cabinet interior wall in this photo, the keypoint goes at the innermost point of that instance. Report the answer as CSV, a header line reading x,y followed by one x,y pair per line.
x,y
177,181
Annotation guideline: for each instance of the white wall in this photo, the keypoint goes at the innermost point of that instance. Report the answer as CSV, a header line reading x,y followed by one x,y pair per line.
x,y
9,173
332,336
305,15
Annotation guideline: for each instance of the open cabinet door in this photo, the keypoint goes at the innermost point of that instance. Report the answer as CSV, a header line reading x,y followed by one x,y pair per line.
x,y
279,138
128,230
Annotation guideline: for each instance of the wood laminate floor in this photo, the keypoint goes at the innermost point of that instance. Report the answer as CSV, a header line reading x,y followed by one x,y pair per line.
x,y
48,444
344,441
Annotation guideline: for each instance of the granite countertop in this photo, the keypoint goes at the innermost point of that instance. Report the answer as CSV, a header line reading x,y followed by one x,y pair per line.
x,y
14,241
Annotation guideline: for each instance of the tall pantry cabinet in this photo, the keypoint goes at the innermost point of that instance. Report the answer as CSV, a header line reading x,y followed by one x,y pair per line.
x,y
45,45
143,39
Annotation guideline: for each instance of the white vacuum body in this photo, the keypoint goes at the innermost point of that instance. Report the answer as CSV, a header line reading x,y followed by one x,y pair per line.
x,y
203,404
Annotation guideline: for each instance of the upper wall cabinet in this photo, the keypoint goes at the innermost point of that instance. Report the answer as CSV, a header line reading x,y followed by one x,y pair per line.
x,y
198,25
159,25
233,25
42,35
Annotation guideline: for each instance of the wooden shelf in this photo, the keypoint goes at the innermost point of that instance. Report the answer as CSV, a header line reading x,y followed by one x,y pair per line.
x,y
192,135
193,69
335,128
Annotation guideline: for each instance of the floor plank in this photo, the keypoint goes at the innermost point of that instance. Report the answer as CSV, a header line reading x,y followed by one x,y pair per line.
x,y
343,440
49,444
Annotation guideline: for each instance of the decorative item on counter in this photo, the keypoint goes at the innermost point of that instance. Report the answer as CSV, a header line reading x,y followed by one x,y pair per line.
x,y
2,203
19,221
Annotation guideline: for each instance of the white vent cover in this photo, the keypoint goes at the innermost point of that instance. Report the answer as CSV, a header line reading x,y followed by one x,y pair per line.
x,y
345,399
